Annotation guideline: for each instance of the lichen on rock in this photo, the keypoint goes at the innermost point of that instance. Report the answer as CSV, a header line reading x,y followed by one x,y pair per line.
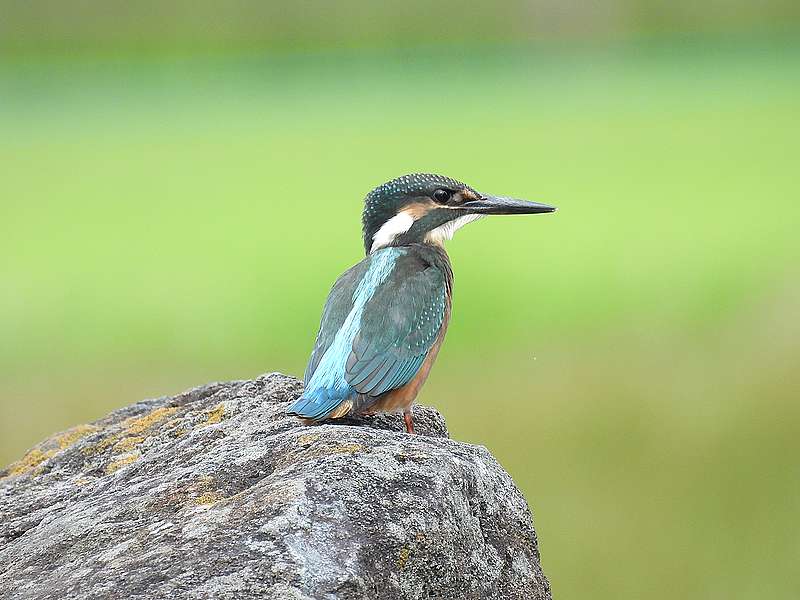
x,y
215,493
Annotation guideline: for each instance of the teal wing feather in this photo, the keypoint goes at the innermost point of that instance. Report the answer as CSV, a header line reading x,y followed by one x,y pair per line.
x,y
337,307
399,327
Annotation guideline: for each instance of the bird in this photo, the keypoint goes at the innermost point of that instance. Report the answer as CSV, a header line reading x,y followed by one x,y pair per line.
x,y
386,317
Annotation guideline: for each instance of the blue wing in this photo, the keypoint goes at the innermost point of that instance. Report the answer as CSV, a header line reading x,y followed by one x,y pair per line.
x,y
399,327
381,320
337,307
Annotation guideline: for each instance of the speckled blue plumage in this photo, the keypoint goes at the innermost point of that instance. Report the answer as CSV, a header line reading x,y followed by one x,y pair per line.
x,y
381,319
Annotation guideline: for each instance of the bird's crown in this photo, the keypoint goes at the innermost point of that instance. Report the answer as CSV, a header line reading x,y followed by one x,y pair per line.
x,y
419,184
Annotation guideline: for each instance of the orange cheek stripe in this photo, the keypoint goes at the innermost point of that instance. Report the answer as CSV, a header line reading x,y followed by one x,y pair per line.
x,y
418,210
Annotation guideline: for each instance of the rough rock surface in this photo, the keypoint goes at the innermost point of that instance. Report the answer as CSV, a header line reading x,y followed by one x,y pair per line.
x,y
214,493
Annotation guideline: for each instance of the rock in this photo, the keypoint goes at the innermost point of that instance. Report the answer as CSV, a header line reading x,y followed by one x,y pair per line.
x,y
215,493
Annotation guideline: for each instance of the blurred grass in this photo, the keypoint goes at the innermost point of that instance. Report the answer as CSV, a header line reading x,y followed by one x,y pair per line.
x,y
632,359
179,25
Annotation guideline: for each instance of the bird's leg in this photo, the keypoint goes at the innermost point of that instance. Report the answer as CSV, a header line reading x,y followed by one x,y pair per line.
x,y
409,421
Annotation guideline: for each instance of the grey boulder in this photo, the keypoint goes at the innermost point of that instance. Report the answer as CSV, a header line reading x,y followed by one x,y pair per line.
x,y
215,493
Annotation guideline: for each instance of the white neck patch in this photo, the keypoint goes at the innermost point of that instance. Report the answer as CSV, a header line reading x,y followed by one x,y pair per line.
x,y
397,225
448,230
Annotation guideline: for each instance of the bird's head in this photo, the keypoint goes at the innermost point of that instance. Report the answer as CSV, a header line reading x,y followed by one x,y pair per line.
x,y
427,208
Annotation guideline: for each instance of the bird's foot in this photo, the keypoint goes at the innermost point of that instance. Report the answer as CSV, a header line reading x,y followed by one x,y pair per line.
x,y
409,421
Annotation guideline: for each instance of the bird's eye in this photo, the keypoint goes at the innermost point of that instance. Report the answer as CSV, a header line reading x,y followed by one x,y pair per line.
x,y
441,196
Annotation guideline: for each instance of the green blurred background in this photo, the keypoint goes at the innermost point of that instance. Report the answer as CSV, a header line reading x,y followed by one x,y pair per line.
x,y
180,184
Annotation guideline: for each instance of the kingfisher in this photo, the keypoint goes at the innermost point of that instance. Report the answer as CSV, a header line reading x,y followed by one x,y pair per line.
x,y
386,317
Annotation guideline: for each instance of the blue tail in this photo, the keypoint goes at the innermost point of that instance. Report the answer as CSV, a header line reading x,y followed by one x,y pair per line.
x,y
316,404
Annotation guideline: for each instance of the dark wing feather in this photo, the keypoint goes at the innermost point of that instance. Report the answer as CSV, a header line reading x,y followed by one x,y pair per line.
x,y
337,307
399,326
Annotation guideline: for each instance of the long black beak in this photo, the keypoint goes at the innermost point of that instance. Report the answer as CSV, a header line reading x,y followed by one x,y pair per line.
x,y
500,205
